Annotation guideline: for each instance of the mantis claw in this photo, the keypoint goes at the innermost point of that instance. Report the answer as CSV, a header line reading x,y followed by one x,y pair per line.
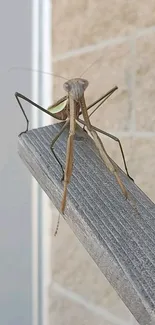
x,y
62,178
22,132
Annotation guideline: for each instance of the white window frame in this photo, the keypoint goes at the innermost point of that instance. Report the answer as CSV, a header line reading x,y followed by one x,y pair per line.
x,y
41,211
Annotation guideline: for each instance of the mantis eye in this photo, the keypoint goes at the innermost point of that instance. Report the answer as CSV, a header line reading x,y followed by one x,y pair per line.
x,y
67,87
84,83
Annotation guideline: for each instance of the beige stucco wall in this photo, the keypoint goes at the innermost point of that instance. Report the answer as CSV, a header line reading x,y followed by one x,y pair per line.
x,y
122,34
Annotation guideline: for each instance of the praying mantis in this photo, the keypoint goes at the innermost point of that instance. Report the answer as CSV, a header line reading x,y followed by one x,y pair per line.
x,y
69,108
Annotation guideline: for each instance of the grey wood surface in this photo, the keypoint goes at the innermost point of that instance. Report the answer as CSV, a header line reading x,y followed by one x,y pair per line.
x,y
119,238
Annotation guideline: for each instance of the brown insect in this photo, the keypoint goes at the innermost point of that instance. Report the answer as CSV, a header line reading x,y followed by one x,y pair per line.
x,y
69,108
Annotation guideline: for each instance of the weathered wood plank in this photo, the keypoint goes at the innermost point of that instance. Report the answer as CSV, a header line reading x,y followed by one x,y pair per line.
x,y
120,239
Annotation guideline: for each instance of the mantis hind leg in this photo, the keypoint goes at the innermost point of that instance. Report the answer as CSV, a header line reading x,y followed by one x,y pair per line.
x,y
115,139
52,146
68,168
120,146
17,95
107,160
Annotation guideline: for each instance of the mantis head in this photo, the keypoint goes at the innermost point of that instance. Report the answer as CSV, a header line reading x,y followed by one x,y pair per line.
x,y
76,88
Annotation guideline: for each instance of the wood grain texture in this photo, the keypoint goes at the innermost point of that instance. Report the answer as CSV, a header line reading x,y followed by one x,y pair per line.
x,y
119,238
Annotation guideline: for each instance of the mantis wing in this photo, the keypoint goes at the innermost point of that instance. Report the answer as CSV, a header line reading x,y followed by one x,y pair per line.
x,y
59,109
